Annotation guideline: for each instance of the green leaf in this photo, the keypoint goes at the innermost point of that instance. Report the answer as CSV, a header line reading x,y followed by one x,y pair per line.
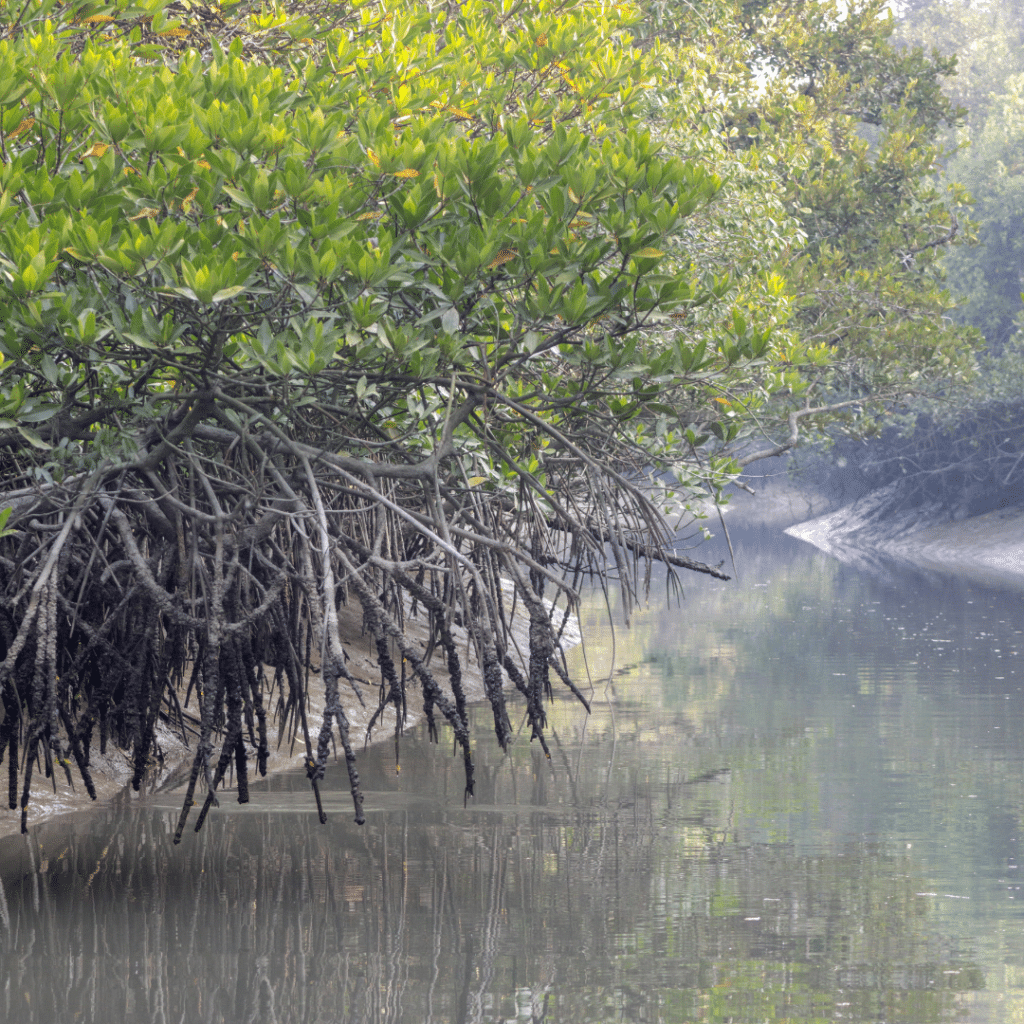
x,y
49,368
450,320
185,293
33,438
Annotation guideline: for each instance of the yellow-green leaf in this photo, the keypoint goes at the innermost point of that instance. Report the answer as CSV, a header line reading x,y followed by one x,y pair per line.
x,y
228,293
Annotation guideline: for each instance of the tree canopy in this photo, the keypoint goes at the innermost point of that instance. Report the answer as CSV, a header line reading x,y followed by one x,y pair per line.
x,y
423,307
986,38
959,450
854,127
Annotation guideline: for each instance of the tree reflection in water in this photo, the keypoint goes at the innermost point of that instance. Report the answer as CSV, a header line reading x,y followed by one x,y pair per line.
x,y
611,884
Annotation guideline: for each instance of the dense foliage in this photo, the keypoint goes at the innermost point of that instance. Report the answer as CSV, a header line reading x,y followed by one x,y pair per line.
x,y
959,451
986,38
853,128
404,305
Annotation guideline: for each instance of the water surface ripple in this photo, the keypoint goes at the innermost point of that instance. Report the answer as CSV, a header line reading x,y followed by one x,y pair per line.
x,y
799,798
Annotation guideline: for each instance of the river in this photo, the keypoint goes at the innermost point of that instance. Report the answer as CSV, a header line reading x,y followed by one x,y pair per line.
x,y
798,798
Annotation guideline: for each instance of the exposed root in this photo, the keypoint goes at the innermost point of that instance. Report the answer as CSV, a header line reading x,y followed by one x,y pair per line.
x,y
213,567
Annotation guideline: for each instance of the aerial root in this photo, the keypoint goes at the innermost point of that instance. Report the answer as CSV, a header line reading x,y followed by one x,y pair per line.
x,y
214,569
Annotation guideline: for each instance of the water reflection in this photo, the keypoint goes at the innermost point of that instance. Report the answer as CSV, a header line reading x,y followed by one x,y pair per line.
x,y
792,803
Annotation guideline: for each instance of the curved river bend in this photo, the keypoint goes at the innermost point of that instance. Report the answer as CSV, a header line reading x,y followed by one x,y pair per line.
x,y
799,798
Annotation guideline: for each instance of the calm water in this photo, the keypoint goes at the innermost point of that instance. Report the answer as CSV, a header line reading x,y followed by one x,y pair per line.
x,y
799,798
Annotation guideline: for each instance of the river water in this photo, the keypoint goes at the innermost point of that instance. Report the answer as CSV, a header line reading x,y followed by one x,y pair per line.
x,y
798,798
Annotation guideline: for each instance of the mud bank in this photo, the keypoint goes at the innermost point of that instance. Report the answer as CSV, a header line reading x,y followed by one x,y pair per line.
x,y
985,548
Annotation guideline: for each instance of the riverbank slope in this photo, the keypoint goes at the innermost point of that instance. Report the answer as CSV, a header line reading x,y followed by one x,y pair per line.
x,y
986,548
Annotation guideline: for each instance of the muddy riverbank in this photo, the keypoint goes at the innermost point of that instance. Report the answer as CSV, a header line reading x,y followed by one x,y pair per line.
x,y
987,548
